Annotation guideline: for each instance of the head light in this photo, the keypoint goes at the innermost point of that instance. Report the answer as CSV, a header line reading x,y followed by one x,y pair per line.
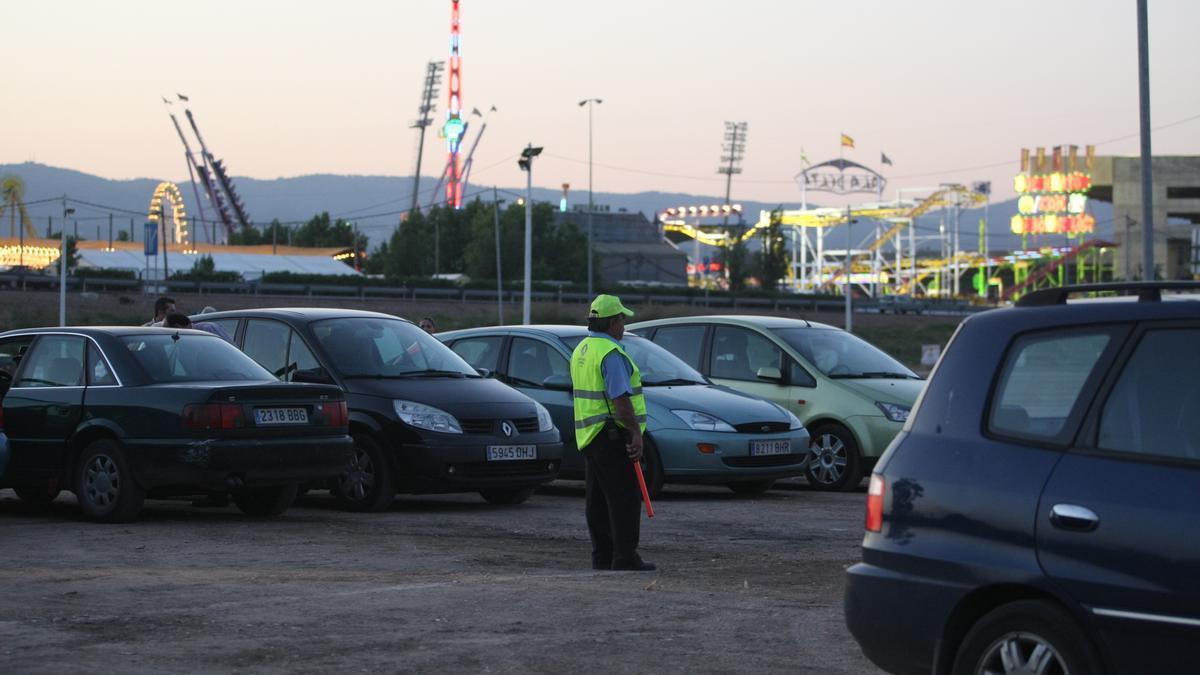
x,y
427,417
545,423
894,411
702,421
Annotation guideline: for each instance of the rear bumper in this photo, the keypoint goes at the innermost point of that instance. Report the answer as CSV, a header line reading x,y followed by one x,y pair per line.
x,y
212,464
462,465
730,461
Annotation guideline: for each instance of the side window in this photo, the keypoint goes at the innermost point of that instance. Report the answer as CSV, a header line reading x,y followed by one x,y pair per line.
x,y
1153,409
54,361
798,376
1041,382
98,372
267,343
12,352
300,358
480,352
532,361
228,325
685,342
737,354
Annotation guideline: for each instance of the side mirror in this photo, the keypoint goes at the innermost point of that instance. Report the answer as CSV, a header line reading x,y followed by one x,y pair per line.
x,y
312,376
557,383
769,373
483,372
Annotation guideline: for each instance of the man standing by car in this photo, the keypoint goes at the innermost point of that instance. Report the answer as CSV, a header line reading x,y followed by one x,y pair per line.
x,y
610,416
162,307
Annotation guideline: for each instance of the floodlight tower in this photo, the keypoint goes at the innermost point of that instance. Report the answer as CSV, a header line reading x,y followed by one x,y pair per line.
x,y
734,148
455,126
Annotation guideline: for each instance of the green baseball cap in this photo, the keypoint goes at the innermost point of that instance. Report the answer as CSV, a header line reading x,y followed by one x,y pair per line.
x,y
608,305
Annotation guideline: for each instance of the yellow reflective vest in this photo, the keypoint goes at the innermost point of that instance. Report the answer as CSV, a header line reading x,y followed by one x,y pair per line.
x,y
592,407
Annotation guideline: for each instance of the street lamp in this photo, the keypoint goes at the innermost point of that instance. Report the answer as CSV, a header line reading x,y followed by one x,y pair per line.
x,y
589,103
526,164
496,202
62,265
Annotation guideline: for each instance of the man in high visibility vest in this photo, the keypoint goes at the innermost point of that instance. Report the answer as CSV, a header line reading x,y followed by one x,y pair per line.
x,y
610,416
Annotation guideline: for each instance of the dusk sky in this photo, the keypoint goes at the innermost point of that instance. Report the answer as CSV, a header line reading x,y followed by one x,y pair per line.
x,y
292,88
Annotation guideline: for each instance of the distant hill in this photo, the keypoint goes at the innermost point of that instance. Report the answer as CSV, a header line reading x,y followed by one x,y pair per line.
x,y
375,203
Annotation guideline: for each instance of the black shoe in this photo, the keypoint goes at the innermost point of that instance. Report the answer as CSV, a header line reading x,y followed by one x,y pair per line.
x,y
601,566
637,565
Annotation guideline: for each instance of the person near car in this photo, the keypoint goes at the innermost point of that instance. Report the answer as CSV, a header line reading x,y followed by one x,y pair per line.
x,y
162,307
428,325
610,416
178,320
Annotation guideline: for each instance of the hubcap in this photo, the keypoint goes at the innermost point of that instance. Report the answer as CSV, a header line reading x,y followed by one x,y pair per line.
x,y
827,462
359,476
1021,654
101,481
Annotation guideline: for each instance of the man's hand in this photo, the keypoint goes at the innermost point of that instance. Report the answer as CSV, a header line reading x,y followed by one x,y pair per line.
x,y
623,409
634,447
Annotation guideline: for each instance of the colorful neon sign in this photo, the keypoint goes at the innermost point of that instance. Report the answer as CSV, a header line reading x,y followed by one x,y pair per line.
x,y
1054,202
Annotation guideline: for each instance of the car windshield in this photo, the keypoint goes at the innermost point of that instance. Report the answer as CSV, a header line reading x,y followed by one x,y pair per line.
x,y
839,354
192,357
658,366
386,348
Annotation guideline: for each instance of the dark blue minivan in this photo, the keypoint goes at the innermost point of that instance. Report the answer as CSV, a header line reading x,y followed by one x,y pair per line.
x,y
1040,512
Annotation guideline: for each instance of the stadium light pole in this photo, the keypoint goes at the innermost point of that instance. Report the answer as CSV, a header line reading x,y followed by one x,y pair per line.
x,y
496,202
590,103
62,265
526,164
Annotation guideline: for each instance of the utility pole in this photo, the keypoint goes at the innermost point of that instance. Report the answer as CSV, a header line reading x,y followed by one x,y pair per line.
x,y
849,276
526,164
62,265
1128,252
499,276
589,102
162,223
433,76
1147,157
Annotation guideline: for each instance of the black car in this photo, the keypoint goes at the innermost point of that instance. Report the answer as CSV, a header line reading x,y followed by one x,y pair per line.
x,y
1038,513
423,420
120,414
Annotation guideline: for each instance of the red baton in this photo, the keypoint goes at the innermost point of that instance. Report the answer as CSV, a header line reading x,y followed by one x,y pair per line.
x,y
637,468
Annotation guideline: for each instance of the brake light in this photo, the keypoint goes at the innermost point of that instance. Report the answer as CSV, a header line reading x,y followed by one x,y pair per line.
x,y
874,520
336,414
210,416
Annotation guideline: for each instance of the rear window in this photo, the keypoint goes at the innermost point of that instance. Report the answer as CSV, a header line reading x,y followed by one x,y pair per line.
x,y
191,357
1044,383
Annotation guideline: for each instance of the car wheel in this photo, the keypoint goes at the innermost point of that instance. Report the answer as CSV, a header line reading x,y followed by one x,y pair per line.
x,y
652,469
104,484
36,494
265,501
506,496
751,487
1030,636
833,461
367,483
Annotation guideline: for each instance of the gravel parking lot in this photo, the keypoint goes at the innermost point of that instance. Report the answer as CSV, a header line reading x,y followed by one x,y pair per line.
x,y
436,584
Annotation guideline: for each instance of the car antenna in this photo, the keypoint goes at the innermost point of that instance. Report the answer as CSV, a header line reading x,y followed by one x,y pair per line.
x,y
175,337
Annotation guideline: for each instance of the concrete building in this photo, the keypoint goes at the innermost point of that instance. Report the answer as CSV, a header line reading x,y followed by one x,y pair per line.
x,y
629,248
1176,198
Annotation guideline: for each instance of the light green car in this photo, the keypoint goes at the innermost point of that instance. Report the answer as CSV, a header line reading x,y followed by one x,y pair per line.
x,y
852,397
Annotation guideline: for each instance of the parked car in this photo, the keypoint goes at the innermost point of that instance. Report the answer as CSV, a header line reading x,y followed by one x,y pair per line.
x,y
696,432
423,420
852,397
1038,512
120,414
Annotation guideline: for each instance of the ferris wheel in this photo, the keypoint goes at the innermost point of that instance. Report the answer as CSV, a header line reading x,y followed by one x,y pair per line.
x,y
168,192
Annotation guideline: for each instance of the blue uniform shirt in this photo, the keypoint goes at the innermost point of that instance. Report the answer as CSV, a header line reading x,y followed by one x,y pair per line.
x,y
617,372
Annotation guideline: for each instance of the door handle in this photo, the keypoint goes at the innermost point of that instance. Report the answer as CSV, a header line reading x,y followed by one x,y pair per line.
x,y
1074,517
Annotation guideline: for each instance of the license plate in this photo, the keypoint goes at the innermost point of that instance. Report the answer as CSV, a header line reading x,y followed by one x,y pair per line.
x,y
280,416
500,453
783,447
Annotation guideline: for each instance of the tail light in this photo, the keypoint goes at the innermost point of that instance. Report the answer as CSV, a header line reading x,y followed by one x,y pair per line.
x,y
874,520
336,413
209,416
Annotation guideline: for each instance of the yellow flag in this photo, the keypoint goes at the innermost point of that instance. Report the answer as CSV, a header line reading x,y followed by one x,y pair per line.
x,y
847,142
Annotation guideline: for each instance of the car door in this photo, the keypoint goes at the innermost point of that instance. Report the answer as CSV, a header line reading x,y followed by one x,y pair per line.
x,y
532,360
12,351
483,352
1117,518
44,405
738,355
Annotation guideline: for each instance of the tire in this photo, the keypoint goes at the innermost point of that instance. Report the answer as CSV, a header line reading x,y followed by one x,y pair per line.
x,y
36,494
261,502
751,487
834,463
652,469
506,496
104,484
1018,629
367,484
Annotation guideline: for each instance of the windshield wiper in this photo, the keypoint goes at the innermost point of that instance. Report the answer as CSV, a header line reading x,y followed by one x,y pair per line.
x,y
405,376
675,381
872,375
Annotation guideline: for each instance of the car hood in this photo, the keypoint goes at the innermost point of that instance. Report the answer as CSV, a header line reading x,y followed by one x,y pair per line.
x,y
888,391
452,394
732,406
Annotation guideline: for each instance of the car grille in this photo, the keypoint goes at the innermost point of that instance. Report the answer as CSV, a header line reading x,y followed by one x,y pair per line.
x,y
765,460
761,427
525,425
530,467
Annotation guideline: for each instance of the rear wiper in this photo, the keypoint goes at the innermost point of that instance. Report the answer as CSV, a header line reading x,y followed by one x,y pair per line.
x,y
677,381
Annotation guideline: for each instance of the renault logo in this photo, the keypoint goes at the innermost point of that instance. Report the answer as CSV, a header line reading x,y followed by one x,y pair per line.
x,y
507,428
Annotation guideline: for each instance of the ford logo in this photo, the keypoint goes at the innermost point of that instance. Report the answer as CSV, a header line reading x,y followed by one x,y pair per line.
x,y
507,428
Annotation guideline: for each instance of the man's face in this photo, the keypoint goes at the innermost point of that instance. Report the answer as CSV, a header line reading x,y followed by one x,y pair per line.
x,y
618,326
427,326
169,309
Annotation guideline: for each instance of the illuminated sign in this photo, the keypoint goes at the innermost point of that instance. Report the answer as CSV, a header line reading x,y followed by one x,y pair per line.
x,y
1052,193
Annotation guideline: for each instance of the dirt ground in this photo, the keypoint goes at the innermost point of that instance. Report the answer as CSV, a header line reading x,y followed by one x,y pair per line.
x,y
436,584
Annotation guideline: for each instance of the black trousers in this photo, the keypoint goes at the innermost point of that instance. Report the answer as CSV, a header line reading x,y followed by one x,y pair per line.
x,y
614,500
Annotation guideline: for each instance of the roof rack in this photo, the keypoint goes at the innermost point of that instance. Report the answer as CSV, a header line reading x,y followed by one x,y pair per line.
x,y
1146,291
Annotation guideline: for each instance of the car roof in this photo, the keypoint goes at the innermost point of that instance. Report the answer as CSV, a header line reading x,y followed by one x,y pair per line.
x,y
544,330
93,331
760,321
303,314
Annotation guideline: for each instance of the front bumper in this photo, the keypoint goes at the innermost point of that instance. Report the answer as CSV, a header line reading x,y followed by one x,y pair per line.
x,y
731,459
874,433
444,463
221,464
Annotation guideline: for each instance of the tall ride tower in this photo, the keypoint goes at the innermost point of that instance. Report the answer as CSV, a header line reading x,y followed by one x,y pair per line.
x,y
455,126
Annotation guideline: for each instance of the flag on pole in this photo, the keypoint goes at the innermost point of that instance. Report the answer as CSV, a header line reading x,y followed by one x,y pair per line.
x,y
182,97
804,157
847,142
884,159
